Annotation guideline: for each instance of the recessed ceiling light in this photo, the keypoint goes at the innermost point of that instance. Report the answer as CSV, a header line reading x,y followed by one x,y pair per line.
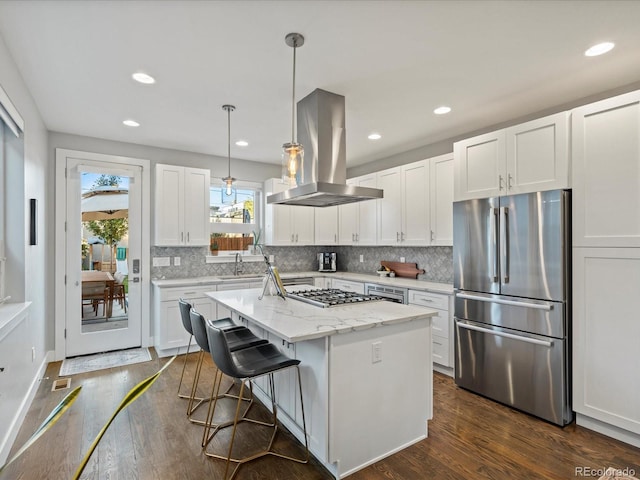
x,y
442,110
131,123
242,143
599,49
374,136
143,78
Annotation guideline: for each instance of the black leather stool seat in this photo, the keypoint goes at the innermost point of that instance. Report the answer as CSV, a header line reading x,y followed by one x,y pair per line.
x,y
262,359
241,339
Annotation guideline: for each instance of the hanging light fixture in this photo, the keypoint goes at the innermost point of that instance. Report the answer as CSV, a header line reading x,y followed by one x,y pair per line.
x,y
228,180
293,153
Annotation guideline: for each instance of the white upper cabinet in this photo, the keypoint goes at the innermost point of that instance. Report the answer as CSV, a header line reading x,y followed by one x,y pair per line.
x,y
357,221
403,213
417,208
441,199
606,172
390,207
181,206
529,157
285,224
326,226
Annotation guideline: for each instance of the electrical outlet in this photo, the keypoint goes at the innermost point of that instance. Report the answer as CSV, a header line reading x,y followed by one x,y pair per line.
x,y
361,258
376,352
272,258
402,259
176,261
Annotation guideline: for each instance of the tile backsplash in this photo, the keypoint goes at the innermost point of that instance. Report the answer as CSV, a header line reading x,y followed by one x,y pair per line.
x,y
436,261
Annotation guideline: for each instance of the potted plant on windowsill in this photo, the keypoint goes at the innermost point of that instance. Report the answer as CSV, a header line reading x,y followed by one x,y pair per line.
x,y
213,243
255,248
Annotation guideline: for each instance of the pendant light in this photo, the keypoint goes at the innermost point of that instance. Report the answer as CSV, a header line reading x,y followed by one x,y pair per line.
x,y
292,152
228,180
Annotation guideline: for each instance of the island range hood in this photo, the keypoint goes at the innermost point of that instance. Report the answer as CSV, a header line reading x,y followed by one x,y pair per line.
x,y
323,176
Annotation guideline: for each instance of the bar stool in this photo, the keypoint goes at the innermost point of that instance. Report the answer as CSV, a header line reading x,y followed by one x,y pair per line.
x,y
185,308
238,338
246,365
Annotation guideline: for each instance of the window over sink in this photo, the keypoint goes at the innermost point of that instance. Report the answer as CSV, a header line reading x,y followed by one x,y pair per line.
x,y
235,220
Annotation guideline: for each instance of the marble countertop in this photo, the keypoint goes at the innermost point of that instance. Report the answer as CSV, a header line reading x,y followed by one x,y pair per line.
x,y
295,321
444,288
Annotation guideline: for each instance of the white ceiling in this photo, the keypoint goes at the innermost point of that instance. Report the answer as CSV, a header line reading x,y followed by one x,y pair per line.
x,y
394,61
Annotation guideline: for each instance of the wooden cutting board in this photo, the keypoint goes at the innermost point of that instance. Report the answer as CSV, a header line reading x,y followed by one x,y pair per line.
x,y
403,269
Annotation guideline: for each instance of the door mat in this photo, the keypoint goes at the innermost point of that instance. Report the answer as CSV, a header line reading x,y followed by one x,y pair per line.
x,y
100,361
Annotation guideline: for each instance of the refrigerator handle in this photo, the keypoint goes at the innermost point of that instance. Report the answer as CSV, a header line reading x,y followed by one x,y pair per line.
x,y
504,243
535,341
493,226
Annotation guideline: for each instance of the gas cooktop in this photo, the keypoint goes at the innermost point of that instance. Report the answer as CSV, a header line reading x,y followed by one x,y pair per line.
x,y
331,297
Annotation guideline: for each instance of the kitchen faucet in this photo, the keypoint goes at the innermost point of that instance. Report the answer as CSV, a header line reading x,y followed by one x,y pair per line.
x,y
238,264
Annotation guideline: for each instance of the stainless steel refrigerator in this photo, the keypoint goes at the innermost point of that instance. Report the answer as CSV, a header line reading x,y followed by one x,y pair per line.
x,y
512,278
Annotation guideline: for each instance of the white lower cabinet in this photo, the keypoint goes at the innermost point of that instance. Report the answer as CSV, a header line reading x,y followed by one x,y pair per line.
x,y
170,336
606,384
441,327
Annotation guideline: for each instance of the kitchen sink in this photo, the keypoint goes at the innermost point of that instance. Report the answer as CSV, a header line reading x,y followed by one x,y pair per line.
x,y
241,278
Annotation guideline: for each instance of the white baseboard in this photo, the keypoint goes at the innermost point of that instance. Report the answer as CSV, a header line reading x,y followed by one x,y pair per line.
x,y
24,407
609,430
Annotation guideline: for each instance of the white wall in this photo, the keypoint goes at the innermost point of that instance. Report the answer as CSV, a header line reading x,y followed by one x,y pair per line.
x,y
38,271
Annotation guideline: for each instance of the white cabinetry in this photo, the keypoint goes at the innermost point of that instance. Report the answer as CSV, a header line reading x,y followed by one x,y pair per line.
x,y
358,221
170,335
529,157
441,199
285,224
403,213
326,225
441,325
606,172
347,285
417,208
181,206
606,384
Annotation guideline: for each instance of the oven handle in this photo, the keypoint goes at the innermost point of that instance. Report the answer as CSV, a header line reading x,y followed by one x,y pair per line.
x,y
537,306
507,335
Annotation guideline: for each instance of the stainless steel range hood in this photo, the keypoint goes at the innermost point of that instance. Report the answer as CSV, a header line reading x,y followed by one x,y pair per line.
x,y
321,132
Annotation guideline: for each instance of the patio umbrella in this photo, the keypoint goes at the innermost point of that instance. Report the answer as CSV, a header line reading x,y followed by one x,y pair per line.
x,y
105,203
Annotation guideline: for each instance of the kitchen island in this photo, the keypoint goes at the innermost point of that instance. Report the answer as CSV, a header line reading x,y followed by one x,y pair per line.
x,y
366,373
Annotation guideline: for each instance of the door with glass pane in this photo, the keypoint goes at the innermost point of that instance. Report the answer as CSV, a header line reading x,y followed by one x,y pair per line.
x,y
103,248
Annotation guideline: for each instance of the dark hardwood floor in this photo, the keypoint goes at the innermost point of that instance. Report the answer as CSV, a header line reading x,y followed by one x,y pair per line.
x,y
469,438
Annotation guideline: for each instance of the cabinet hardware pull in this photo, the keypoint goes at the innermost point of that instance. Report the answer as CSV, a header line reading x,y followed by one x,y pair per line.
x,y
181,237
432,235
397,236
402,236
500,181
296,238
187,237
509,183
335,237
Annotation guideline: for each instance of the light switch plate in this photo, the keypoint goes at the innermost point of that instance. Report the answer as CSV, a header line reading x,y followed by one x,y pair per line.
x,y
161,261
176,261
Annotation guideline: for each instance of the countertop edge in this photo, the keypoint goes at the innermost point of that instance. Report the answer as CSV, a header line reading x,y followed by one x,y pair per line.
x,y
409,283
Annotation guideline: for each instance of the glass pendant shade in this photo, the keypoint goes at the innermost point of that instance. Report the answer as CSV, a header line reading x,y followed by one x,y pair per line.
x,y
228,190
292,157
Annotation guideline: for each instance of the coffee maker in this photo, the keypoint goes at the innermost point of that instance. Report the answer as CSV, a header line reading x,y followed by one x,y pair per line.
x,y
327,262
